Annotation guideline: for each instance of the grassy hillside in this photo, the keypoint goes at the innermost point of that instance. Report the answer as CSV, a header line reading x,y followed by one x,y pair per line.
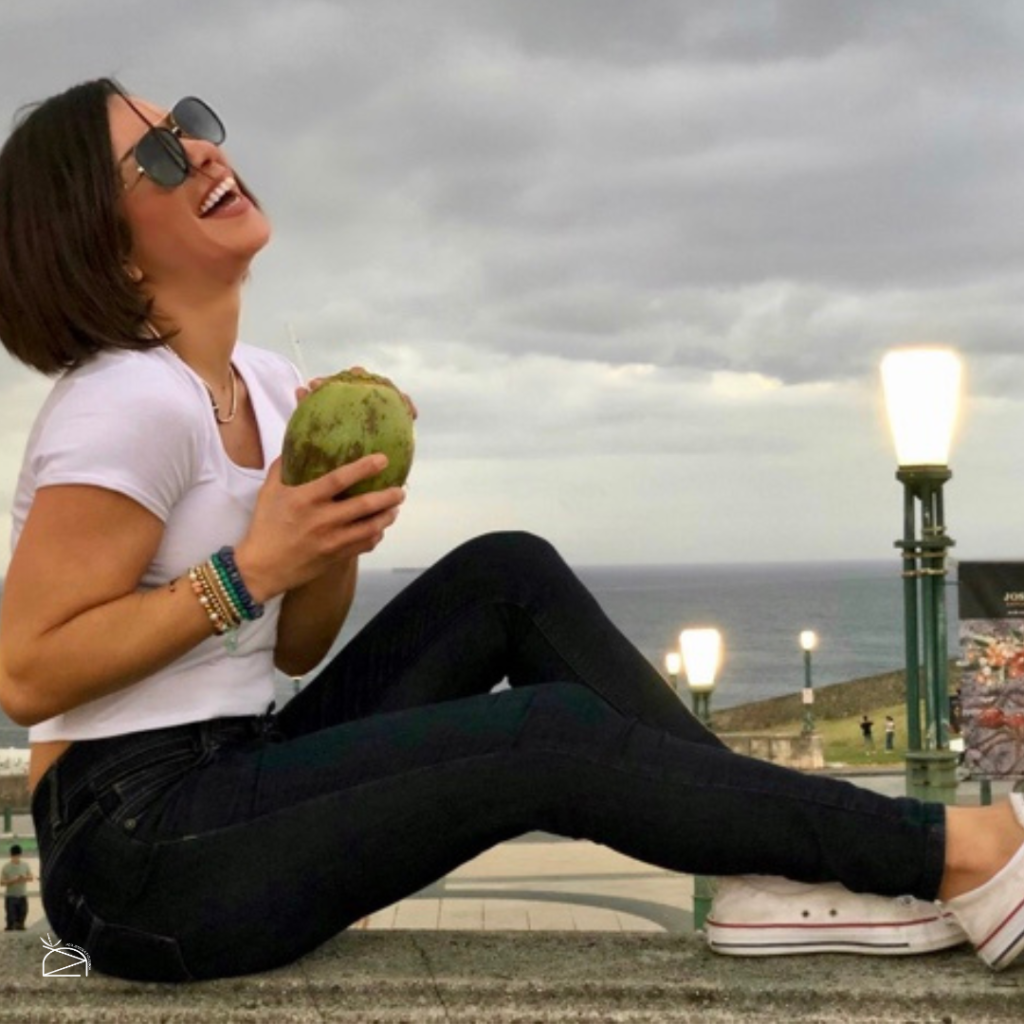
x,y
837,714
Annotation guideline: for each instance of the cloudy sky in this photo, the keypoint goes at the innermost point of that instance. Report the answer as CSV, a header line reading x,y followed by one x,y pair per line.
x,y
637,261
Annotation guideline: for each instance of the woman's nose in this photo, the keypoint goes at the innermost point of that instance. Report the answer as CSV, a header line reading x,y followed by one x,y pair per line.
x,y
201,153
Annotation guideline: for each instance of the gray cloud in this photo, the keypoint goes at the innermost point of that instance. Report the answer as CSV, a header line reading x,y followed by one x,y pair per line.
x,y
595,233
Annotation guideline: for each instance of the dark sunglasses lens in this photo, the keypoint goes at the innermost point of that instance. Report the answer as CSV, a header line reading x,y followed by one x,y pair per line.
x,y
162,158
198,121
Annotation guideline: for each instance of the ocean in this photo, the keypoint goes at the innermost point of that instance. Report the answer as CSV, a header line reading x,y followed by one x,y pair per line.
x,y
856,608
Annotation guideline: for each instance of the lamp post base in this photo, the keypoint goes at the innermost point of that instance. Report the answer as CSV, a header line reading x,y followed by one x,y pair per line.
x,y
931,775
703,895
702,707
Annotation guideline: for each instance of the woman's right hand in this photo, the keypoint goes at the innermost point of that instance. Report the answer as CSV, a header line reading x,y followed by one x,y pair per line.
x,y
299,532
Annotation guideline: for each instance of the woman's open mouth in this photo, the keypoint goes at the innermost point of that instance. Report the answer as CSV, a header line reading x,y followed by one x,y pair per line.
x,y
220,197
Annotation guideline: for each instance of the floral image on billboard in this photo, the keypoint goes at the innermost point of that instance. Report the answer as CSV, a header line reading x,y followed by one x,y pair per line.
x,y
992,660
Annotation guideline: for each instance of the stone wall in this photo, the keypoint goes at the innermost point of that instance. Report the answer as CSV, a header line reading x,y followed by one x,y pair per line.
x,y
794,751
14,792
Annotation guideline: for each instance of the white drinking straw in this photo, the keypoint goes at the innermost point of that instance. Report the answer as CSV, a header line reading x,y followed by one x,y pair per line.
x,y
300,360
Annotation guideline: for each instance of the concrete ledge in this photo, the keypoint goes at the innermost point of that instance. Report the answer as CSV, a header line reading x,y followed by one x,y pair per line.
x,y
504,977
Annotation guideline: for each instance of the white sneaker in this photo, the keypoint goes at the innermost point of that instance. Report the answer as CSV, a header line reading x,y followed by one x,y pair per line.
x,y
761,915
993,914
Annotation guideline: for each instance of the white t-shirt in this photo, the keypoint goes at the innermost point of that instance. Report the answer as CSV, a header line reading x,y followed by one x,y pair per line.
x,y
140,423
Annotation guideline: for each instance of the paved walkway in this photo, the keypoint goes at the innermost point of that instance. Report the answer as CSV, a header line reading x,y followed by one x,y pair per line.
x,y
537,883
544,883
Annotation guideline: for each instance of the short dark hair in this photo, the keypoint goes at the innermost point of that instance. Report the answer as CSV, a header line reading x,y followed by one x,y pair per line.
x,y
65,293
15,850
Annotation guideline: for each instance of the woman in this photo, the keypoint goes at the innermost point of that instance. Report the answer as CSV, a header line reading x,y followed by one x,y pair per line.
x,y
161,570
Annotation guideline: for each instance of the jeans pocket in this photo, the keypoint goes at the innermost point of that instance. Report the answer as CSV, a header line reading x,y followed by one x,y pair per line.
x,y
125,952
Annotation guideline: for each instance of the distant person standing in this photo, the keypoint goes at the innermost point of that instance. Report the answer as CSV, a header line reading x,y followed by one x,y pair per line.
x,y
956,712
14,877
890,732
866,726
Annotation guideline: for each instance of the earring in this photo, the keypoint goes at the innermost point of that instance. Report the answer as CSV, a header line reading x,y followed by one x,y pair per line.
x,y
134,273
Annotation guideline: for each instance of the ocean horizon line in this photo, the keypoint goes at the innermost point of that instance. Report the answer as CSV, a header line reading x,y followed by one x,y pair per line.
x,y
876,562
702,563
855,605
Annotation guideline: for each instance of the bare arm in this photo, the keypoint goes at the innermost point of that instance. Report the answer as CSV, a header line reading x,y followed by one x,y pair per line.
x,y
73,624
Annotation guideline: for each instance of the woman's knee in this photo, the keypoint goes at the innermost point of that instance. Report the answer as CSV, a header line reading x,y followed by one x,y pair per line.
x,y
511,547
516,562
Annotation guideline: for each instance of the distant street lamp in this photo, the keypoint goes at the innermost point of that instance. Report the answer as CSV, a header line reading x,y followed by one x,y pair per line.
x,y
673,664
808,641
702,656
922,389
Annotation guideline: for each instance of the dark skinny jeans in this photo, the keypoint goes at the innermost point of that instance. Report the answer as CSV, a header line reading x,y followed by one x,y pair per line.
x,y
237,845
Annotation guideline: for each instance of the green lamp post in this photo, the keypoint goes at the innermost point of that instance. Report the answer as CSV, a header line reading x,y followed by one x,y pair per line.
x,y
922,388
701,656
808,642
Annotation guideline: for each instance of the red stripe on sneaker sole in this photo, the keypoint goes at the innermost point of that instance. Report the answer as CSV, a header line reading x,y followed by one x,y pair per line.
x,y
999,927
1011,951
833,924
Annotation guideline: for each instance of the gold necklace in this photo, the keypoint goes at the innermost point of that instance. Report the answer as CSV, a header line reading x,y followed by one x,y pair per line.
x,y
234,397
213,398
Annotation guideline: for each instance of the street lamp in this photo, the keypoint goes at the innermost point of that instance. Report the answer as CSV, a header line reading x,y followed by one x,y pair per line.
x,y
673,663
922,387
702,655
808,641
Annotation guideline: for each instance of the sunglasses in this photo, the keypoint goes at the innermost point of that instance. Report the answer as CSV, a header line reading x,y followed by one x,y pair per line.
x,y
159,154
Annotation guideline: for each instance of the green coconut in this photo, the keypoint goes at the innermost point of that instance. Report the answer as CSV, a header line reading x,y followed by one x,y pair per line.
x,y
350,415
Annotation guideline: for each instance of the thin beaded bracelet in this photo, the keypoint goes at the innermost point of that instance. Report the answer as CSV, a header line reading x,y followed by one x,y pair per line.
x,y
222,600
202,591
225,559
218,585
223,581
224,605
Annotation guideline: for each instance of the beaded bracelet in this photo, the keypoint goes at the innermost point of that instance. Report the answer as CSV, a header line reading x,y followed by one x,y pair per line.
x,y
221,598
224,560
219,617
222,592
227,588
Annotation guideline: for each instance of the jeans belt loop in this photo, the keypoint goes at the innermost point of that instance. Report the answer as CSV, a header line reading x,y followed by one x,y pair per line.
x,y
207,737
268,721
